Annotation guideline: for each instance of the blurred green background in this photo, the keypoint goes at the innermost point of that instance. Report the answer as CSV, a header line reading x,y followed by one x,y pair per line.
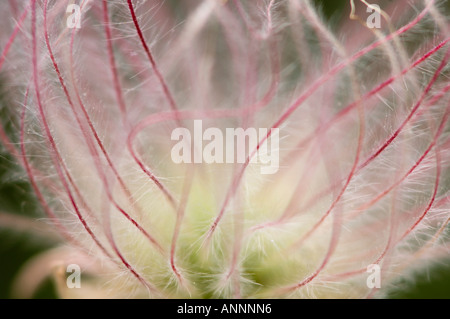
x,y
16,197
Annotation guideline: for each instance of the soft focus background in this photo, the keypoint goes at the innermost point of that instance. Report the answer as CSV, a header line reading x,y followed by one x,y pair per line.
x,y
16,197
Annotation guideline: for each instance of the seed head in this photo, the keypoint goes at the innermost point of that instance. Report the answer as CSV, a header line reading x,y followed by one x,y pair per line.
x,y
244,149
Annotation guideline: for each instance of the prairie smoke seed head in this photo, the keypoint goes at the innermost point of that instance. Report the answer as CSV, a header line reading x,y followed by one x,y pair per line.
x,y
231,149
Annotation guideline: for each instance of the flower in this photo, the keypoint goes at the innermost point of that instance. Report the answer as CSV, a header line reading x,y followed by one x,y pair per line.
x,y
358,199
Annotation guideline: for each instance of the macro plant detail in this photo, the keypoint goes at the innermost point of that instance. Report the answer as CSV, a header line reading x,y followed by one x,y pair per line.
x,y
355,115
